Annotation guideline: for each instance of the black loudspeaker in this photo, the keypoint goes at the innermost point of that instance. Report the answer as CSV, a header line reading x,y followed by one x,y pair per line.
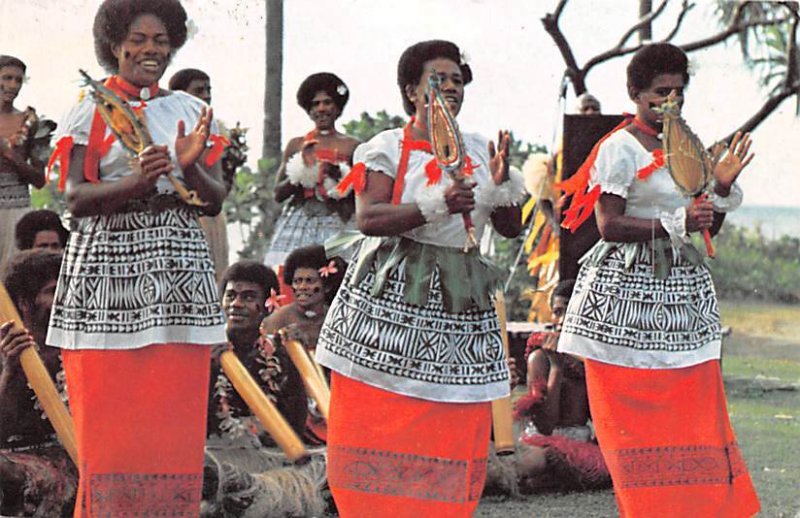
x,y
581,133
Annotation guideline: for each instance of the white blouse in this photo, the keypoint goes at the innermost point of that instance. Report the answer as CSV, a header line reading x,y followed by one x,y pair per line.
x,y
161,119
382,154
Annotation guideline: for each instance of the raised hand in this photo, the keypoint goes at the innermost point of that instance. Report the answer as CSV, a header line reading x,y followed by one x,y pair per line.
x,y
498,159
734,160
307,152
188,148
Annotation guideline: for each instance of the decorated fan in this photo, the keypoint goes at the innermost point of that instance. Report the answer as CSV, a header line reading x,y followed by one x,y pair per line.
x,y
690,165
448,148
130,130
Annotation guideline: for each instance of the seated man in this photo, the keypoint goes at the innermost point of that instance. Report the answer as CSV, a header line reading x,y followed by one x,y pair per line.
x,y
41,229
246,288
555,413
37,477
314,280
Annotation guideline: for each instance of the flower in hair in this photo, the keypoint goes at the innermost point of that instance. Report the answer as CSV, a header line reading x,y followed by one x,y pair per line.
x,y
341,89
273,302
691,67
329,269
465,58
191,29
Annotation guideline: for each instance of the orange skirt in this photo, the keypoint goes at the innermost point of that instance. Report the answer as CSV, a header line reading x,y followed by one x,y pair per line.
x,y
396,456
668,443
140,422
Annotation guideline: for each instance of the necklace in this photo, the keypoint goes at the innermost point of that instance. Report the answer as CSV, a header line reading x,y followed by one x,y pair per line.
x,y
647,130
145,93
307,313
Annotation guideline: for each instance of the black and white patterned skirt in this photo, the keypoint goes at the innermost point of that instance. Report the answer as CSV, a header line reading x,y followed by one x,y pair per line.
x,y
624,315
296,228
132,279
423,352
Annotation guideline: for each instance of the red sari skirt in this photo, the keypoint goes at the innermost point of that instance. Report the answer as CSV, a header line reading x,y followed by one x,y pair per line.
x,y
391,455
140,423
668,443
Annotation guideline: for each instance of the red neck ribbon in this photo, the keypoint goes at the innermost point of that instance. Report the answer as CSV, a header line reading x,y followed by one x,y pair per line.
x,y
128,90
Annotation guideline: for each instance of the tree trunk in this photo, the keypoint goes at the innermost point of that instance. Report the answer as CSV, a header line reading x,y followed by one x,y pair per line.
x,y
273,83
646,30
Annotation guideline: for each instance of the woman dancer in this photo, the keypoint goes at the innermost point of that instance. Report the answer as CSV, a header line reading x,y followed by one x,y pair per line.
x,y
412,337
311,169
20,162
136,305
644,315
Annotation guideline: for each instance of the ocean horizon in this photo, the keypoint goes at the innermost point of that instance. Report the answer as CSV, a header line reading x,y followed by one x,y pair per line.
x,y
774,221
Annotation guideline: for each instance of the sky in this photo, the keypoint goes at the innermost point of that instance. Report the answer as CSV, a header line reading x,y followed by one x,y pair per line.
x,y
516,65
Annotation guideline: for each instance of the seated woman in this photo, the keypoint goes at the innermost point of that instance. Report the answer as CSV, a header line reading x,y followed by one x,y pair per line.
x,y
314,280
555,415
310,171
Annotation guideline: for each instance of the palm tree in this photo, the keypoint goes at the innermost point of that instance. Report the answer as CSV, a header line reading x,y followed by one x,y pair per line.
x,y
273,88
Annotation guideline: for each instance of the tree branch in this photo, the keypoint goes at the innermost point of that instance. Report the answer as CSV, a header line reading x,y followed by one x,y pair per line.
x,y
679,21
765,111
573,71
641,23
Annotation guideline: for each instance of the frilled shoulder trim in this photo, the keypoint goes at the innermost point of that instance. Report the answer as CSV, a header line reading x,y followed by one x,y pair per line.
x,y
381,153
615,168
77,123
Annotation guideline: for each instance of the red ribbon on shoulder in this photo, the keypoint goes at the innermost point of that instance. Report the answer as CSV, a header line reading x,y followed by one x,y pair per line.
x,y
357,177
657,163
60,154
218,145
583,202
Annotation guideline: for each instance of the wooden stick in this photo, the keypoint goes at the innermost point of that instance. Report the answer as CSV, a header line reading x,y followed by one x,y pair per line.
x,y
502,411
41,382
262,407
309,373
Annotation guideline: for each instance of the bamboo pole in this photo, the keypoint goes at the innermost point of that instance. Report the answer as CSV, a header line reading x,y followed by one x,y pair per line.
x,y
41,382
309,374
262,407
502,415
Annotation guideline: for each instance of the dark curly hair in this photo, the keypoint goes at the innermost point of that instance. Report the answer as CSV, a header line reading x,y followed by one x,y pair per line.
x,y
27,272
653,60
409,68
250,271
114,19
36,221
323,82
314,257
11,61
563,289
181,79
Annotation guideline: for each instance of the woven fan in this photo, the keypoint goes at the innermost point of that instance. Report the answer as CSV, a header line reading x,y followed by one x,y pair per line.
x,y
130,130
690,165
448,147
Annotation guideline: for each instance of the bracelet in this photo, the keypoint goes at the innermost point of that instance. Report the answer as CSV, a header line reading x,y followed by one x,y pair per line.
x,y
508,193
728,203
430,201
298,173
675,225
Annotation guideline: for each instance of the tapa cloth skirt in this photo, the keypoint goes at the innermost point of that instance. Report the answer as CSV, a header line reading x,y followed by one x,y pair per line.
x,y
668,443
140,426
391,455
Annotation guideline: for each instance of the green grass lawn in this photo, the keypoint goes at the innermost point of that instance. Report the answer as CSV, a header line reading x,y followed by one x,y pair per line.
x,y
761,367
